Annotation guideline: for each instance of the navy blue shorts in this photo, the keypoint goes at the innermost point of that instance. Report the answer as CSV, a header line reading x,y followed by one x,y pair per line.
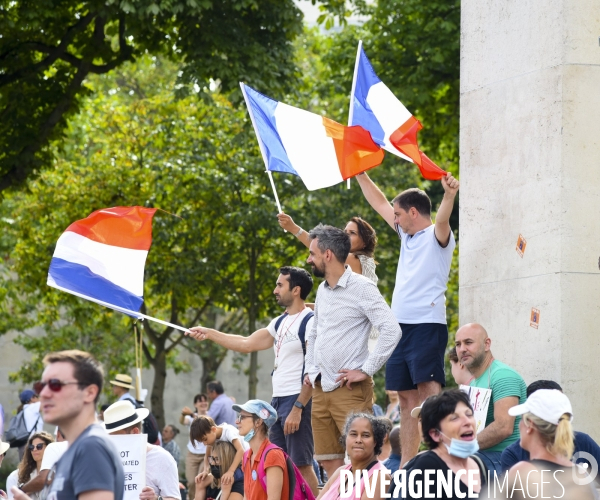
x,y
299,445
418,357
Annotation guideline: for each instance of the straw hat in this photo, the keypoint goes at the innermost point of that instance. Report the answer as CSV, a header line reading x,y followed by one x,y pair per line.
x,y
123,380
123,414
4,447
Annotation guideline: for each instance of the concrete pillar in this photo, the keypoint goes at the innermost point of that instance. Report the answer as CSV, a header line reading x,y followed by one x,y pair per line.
x,y
530,165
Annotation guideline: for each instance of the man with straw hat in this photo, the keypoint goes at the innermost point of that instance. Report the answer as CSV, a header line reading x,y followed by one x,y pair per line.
x,y
120,387
162,479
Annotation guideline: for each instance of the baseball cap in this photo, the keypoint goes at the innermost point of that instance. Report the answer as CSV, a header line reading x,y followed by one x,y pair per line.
x,y
416,411
26,396
261,409
547,404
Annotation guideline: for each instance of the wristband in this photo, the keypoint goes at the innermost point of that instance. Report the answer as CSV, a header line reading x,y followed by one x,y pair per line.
x,y
300,231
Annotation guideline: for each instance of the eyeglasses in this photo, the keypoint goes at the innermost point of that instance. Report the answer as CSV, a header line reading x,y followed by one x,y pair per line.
x,y
241,417
213,460
38,447
53,384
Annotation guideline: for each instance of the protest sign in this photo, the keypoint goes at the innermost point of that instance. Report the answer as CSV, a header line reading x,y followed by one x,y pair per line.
x,y
480,400
132,451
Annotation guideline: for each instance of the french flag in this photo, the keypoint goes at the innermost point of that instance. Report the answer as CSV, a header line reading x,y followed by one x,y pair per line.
x,y
102,257
391,125
320,151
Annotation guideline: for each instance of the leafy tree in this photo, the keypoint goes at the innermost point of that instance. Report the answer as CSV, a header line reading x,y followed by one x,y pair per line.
x,y
49,48
134,142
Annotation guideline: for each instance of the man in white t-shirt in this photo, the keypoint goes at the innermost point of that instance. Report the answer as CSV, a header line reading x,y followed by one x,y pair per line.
x,y
286,335
416,367
162,478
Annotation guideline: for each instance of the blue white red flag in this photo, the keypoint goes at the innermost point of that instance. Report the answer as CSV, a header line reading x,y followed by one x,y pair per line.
x,y
391,125
320,151
102,257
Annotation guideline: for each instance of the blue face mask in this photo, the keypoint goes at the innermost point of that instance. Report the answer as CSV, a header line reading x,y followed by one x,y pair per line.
x,y
461,449
250,435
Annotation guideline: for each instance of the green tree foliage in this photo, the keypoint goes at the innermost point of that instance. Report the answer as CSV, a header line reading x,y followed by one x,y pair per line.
x,y
49,47
136,143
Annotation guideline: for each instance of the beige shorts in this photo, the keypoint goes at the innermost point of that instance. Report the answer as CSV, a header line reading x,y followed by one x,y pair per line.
x,y
329,413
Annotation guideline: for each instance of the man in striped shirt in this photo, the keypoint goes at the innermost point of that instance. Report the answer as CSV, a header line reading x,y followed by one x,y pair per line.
x,y
338,363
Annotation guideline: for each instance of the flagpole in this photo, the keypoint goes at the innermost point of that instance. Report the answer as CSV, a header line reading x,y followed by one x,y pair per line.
x,y
129,312
261,147
351,110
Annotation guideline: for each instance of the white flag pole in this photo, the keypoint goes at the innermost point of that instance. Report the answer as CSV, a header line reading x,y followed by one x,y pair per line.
x,y
135,314
351,110
261,147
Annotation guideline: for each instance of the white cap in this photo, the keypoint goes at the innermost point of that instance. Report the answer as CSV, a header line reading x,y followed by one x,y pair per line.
x,y
416,411
547,404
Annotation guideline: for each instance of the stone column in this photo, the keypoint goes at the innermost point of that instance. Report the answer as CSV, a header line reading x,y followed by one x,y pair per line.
x,y
530,165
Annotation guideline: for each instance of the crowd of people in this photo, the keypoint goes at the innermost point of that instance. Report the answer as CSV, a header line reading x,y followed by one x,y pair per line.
x,y
321,427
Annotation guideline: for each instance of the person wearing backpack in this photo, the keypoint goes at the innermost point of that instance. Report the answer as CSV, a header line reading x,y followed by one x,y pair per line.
x,y
269,473
286,334
26,422
120,387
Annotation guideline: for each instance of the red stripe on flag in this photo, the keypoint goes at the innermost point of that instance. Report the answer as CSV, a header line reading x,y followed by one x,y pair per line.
x,y
405,140
126,227
354,148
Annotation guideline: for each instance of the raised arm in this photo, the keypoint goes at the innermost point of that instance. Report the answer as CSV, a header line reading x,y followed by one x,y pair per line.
x,y
287,223
376,199
258,341
442,219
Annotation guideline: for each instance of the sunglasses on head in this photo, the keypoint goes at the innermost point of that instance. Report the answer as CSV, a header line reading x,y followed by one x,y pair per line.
x,y
37,447
53,384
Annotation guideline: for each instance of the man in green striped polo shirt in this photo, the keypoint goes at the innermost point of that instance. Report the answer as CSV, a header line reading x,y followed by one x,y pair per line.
x,y
508,389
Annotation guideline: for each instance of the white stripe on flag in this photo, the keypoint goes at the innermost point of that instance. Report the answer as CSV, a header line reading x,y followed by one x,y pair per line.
x,y
390,113
122,266
311,152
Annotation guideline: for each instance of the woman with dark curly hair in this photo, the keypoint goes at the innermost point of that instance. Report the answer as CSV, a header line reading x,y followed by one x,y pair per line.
x,y
449,431
32,458
362,243
363,437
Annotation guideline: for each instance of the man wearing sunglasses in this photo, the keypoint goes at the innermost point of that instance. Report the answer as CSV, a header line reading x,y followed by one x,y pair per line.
x,y
69,390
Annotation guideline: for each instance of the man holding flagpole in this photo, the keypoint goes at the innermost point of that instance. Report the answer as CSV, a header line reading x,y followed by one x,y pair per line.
x,y
416,367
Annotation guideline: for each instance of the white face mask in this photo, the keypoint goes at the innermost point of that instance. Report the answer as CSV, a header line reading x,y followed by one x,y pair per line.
x,y
459,448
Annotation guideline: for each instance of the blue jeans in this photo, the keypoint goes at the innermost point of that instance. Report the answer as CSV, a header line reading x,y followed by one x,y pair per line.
x,y
491,459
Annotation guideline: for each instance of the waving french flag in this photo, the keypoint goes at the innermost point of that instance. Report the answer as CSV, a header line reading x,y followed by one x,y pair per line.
x,y
320,151
392,126
102,257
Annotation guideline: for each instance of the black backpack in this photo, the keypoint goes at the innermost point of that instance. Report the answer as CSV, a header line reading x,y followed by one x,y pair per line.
x,y
301,334
17,433
149,424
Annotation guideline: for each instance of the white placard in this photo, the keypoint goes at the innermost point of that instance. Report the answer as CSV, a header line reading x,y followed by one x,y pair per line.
x,y
480,401
132,451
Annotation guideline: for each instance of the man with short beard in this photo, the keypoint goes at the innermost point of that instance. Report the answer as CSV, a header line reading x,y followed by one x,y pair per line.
x,y
338,363
286,334
508,390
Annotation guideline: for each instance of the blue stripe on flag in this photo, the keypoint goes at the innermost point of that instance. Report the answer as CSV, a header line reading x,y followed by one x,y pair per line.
x,y
80,279
263,109
363,115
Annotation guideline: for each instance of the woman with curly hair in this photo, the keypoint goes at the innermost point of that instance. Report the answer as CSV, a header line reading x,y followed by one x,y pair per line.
x,y
363,437
362,243
32,458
